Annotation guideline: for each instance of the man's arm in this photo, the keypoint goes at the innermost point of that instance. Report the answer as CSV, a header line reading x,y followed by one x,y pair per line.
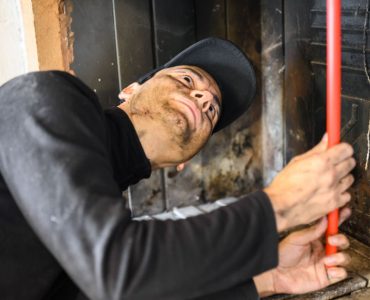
x,y
55,163
245,291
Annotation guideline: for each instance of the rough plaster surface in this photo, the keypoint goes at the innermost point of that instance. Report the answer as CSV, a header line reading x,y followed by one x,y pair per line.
x,y
30,46
13,60
35,34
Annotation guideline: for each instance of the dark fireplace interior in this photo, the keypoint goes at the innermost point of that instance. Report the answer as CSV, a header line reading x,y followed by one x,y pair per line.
x,y
286,41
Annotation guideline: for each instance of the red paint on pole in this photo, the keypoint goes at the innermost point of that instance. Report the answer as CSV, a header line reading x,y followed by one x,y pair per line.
x,y
333,92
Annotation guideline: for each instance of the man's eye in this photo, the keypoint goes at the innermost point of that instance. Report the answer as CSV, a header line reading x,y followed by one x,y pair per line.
x,y
188,79
212,110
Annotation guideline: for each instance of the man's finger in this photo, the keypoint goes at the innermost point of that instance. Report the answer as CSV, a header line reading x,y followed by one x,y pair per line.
x,y
337,259
345,183
336,274
339,153
344,214
343,168
339,240
343,199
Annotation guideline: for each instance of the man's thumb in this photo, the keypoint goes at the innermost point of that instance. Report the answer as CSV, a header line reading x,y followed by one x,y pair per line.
x,y
316,231
322,146
319,148
310,234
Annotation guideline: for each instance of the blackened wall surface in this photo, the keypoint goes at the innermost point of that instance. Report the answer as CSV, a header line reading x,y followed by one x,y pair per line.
x,y
305,90
299,79
355,97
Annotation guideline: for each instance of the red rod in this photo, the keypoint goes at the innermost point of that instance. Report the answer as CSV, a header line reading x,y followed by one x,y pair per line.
x,y
333,93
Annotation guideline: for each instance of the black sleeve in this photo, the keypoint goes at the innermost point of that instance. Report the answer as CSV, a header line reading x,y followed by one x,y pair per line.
x,y
246,291
54,160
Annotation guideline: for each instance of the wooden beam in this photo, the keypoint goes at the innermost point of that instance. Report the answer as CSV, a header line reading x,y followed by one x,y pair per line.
x,y
51,21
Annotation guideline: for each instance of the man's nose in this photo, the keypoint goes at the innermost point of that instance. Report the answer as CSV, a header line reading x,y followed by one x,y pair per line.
x,y
204,99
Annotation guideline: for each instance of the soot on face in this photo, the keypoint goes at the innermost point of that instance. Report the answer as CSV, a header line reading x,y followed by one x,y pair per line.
x,y
178,124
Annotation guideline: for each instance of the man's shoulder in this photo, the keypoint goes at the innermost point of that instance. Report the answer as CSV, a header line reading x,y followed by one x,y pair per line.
x,y
55,88
58,100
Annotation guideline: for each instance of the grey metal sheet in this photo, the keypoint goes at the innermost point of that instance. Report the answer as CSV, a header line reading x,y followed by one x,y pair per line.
x,y
174,27
210,18
95,49
134,39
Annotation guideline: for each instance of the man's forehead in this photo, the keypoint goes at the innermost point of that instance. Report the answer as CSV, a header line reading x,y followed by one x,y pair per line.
x,y
188,68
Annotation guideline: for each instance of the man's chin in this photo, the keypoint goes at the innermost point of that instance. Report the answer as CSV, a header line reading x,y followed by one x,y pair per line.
x,y
177,123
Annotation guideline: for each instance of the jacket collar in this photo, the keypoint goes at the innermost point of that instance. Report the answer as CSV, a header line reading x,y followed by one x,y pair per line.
x,y
128,158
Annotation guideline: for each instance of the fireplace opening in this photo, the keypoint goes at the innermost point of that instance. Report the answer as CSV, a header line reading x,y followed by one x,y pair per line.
x,y
286,41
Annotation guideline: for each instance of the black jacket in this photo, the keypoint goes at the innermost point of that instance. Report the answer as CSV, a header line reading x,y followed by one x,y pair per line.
x,y
63,165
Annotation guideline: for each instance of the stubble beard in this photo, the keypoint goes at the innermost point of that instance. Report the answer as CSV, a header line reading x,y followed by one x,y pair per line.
x,y
177,125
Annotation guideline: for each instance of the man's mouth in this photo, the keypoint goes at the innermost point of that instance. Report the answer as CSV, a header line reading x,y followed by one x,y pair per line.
x,y
191,109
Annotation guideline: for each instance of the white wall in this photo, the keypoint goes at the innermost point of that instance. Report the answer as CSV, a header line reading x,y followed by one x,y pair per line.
x,y
18,52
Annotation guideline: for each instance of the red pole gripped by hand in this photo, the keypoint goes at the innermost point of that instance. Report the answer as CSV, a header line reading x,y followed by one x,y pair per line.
x,y
333,93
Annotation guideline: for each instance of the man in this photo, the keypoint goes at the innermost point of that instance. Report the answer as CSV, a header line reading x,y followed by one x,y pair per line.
x,y
64,163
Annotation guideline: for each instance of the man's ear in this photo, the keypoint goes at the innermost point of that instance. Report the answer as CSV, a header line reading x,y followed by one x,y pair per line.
x,y
127,92
181,166
174,171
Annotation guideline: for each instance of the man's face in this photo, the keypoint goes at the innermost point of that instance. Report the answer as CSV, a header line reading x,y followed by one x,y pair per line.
x,y
186,101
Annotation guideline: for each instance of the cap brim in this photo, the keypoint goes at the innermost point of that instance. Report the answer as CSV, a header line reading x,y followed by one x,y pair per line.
x,y
231,69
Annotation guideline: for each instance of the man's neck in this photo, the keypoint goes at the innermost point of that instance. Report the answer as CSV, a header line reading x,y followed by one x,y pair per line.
x,y
154,146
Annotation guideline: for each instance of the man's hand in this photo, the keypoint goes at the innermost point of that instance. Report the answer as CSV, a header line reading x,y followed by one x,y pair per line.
x,y
312,185
302,262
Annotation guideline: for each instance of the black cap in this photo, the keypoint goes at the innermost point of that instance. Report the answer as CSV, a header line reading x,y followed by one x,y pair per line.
x,y
231,69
